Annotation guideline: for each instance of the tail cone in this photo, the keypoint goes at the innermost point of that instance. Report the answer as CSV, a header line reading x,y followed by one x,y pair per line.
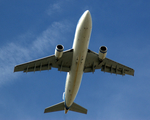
x,y
66,111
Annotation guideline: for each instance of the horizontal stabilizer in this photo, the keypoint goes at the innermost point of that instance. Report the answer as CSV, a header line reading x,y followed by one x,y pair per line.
x,y
77,108
57,107
61,106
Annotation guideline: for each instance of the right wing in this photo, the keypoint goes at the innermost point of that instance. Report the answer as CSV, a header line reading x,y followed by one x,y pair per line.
x,y
107,65
63,64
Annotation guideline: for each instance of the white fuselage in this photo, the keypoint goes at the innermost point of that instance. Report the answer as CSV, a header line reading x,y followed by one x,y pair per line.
x,y
80,47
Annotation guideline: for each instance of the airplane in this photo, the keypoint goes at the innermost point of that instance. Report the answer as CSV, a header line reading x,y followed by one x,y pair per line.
x,y
75,62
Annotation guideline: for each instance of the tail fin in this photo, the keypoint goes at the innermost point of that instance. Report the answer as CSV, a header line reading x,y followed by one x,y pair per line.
x,y
61,106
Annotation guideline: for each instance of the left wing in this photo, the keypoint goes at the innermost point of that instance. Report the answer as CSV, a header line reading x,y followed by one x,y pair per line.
x,y
93,62
63,64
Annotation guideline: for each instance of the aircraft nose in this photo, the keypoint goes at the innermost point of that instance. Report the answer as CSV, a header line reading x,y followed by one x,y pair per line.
x,y
85,20
87,14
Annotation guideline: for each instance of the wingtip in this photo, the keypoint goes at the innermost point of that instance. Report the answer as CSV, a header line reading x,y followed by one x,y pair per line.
x,y
44,111
133,74
14,69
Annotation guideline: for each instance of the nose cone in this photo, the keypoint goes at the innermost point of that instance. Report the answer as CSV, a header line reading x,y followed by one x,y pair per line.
x,y
86,19
87,15
87,12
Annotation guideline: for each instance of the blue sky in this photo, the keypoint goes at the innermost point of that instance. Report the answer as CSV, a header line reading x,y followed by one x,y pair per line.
x,y
31,29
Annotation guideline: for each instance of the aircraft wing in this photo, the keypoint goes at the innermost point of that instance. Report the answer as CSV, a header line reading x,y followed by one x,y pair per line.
x,y
107,65
63,64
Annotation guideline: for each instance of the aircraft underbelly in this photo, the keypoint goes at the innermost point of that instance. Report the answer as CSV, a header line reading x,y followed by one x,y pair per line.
x,y
74,76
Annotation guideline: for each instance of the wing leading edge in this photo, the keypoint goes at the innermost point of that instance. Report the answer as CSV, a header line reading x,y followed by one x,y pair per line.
x,y
63,64
107,65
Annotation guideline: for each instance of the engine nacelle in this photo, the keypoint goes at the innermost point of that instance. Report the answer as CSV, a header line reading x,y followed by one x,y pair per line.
x,y
102,52
59,51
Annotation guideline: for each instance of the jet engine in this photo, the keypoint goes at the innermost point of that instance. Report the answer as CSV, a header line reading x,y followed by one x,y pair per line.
x,y
59,51
102,52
